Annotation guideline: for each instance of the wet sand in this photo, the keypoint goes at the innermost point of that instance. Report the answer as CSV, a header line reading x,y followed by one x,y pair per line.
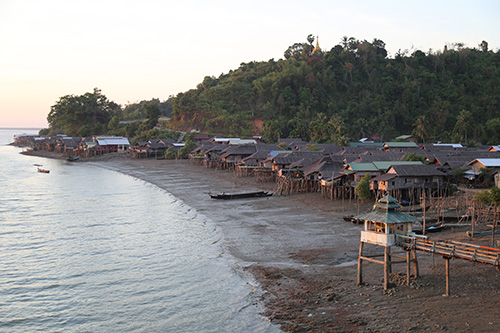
x,y
304,257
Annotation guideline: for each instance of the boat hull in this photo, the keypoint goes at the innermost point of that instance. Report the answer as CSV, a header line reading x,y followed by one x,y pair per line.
x,y
224,196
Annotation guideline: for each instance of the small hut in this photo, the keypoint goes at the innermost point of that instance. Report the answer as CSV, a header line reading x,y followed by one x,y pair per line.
x,y
381,227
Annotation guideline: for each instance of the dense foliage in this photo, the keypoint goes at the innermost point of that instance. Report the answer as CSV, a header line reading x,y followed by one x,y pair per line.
x,y
134,111
93,114
354,90
363,187
84,115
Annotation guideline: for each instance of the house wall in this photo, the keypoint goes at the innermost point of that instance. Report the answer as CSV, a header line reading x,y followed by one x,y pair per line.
x,y
412,182
497,179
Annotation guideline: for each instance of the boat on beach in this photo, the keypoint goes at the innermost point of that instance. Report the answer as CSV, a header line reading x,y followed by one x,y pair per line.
x,y
429,227
73,158
353,219
43,170
225,196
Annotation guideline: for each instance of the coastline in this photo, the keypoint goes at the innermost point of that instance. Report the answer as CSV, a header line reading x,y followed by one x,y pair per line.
x,y
303,255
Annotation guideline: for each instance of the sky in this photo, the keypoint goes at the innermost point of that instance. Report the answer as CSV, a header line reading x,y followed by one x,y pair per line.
x,y
139,50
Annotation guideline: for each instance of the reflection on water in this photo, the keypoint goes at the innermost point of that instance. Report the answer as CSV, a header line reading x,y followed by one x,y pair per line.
x,y
88,249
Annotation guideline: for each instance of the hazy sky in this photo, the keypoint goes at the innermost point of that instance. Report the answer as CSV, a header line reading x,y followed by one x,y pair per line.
x,y
138,50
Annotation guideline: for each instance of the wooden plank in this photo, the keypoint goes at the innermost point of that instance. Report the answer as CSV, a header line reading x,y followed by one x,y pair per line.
x,y
372,260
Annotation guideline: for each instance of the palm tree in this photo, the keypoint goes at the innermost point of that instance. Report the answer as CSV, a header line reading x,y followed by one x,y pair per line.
x,y
420,128
464,124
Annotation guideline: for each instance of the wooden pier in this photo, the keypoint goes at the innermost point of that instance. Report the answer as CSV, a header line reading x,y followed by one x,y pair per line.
x,y
452,249
388,227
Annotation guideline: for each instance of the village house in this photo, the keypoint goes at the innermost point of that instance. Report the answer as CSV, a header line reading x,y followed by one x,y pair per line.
x,y
404,178
324,168
484,163
154,148
356,171
235,154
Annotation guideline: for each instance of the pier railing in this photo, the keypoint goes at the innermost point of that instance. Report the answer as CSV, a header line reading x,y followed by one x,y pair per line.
x,y
451,249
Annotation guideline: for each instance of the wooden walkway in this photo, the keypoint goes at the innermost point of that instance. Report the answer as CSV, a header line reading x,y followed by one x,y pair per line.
x,y
452,249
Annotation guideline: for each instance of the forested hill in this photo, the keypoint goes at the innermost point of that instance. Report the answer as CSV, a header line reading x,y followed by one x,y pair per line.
x,y
353,90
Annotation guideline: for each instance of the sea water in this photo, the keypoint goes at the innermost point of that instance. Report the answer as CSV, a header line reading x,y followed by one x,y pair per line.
x,y
85,249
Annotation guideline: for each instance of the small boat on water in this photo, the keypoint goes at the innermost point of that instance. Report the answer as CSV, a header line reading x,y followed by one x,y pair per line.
x,y
225,196
43,170
73,158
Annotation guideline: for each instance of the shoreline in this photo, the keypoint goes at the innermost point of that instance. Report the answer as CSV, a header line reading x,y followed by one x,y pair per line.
x,y
303,256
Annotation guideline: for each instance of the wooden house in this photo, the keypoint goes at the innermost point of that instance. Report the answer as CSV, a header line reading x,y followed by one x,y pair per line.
x,y
484,163
107,144
324,168
356,171
407,178
235,154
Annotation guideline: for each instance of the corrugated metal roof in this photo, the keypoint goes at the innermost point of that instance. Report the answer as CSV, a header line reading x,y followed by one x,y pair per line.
x,y
400,145
110,141
488,162
363,167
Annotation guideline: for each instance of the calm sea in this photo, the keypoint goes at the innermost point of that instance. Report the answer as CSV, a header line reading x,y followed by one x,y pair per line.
x,y
87,249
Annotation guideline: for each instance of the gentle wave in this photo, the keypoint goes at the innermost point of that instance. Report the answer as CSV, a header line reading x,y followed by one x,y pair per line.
x,y
87,249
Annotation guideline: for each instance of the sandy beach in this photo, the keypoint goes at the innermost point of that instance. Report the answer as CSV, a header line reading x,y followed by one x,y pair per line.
x,y
304,256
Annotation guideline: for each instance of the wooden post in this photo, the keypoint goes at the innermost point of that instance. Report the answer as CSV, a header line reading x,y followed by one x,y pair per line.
x,y
447,264
423,222
473,222
343,213
493,228
360,263
408,267
389,259
386,267
415,264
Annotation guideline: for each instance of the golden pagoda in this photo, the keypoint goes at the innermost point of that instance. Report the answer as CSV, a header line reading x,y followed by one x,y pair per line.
x,y
316,49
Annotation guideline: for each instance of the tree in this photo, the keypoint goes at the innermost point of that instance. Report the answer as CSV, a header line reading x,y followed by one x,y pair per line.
x,y
363,187
87,113
495,196
415,157
483,197
113,123
464,124
152,113
484,46
420,128
189,146
170,154
493,130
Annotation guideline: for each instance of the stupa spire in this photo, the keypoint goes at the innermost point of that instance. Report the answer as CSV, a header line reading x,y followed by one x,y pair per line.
x,y
316,48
